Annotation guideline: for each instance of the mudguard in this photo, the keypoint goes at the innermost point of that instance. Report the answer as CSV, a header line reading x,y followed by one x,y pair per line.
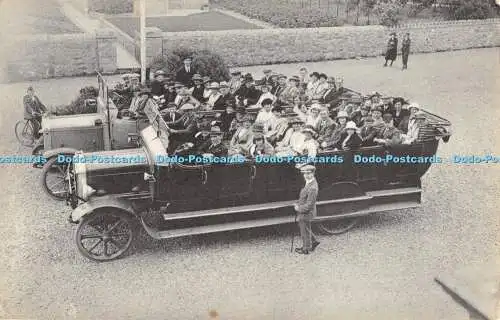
x,y
54,152
100,203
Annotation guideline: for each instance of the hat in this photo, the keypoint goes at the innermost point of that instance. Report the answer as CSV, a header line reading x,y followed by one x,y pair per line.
x,y
281,76
414,105
314,74
342,114
171,105
398,99
187,106
310,130
387,116
322,75
316,106
246,118
351,125
216,131
188,59
295,120
224,84
257,127
267,71
178,85
214,85
248,78
206,79
159,73
307,168
419,115
197,76
330,80
375,93
392,33
236,73
369,119
295,78
241,110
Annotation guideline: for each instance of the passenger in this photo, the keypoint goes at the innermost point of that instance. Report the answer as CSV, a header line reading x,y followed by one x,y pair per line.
x,y
365,131
374,128
141,101
313,117
178,87
157,83
265,115
360,116
278,127
399,114
321,89
417,121
236,123
309,147
405,123
260,146
266,94
292,142
214,146
340,91
214,101
312,85
267,81
186,125
226,94
331,141
206,91
185,98
389,135
242,138
302,110
248,95
203,134
325,125
329,94
290,92
304,78
349,140
198,89
387,106
227,117
280,87
235,82
375,98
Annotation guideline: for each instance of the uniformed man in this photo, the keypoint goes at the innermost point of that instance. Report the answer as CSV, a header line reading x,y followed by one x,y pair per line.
x,y
306,209
203,135
214,147
184,129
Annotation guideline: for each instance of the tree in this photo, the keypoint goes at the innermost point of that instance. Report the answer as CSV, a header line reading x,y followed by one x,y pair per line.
x,y
389,12
206,62
469,9
368,6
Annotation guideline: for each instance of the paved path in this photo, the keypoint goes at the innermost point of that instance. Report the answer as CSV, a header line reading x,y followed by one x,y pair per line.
x,y
383,269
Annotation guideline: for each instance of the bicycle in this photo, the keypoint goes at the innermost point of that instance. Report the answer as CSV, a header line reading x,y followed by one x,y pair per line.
x,y
25,131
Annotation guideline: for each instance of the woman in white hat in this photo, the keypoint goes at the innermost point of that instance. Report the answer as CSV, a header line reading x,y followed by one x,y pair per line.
x,y
313,117
309,146
349,139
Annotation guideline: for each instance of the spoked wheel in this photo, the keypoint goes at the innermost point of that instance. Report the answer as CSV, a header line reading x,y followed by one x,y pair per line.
x,y
105,235
54,179
25,132
38,151
336,227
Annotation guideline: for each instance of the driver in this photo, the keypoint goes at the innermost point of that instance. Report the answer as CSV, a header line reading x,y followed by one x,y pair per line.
x,y
33,109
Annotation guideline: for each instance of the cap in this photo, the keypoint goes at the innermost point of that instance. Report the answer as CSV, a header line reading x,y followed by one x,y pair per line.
x,y
323,75
224,84
159,73
213,85
307,168
188,59
314,74
197,76
206,79
295,78
216,131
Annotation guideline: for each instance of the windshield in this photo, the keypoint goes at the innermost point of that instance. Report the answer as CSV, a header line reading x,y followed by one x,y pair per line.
x,y
157,122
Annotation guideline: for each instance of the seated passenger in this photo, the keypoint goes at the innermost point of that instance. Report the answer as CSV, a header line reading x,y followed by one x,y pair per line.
x,y
260,146
185,127
365,131
157,83
236,123
227,97
398,113
389,135
417,121
309,146
214,101
170,113
203,134
359,117
374,128
291,91
332,140
266,95
325,125
247,94
405,123
227,117
184,97
198,89
140,102
313,117
278,127
302,110
349,139
321,88
242,138
214,146
292,142
265,115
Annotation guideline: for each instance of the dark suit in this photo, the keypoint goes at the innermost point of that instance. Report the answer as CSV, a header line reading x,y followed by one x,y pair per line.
x,y
251,94
306,211
219,150
328,96
157,88
171,116
399,118
334,98
198,93
185,77
353,143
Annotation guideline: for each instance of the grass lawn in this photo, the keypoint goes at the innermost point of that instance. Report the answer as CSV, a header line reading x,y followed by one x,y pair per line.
x,y
206,21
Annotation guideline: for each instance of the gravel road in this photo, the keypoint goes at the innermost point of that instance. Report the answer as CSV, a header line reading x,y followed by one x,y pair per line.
x,y
383,269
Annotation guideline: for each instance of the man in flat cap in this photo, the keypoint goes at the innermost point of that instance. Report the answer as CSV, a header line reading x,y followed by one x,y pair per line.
x,y
306,209
186,72
214,146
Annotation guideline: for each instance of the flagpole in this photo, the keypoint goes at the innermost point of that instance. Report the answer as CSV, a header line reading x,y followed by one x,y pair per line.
x,y
143,42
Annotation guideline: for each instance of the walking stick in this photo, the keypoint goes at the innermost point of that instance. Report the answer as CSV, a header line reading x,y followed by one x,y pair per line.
x,y
293,233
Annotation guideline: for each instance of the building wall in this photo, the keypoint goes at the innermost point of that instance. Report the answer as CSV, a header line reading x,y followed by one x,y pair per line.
x,y
161,7
47,56
265,46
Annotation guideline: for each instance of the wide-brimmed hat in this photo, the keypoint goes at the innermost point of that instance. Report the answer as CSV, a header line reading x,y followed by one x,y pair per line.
x,y
316,74
179,85
267,71
206,79
214,86
351,125
187,106
414,105
294,78
159,73
216,131
224,84
294,120
342,114
377,108
309,168
188,59
197,77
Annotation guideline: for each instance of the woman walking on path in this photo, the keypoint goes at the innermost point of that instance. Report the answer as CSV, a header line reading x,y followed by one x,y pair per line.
x,y
392,49
405,50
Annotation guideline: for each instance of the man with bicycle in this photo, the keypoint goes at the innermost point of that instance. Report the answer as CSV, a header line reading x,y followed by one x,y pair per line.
x,y
33,110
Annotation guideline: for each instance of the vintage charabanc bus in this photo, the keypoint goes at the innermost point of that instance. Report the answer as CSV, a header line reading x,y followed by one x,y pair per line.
x,y
171,199
67,134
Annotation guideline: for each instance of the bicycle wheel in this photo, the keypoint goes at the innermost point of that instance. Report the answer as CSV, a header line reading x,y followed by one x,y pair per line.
x,y
25,132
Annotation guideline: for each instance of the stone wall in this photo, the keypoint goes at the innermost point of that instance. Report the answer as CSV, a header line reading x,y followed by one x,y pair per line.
x,y
266,46
47,56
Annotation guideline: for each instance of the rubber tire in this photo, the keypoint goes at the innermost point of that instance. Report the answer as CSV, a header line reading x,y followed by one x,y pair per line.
x,y
131,221
324,230
46,167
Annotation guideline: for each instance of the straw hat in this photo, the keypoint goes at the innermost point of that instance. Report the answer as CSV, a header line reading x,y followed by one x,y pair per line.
x,y
351,125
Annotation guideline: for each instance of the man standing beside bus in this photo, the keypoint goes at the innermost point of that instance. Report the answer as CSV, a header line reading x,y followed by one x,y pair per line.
x,y
306,209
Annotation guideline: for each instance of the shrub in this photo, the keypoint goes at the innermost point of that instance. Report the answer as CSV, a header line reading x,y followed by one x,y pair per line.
x,y
111,6
389,13
205,62
469,9
77,106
